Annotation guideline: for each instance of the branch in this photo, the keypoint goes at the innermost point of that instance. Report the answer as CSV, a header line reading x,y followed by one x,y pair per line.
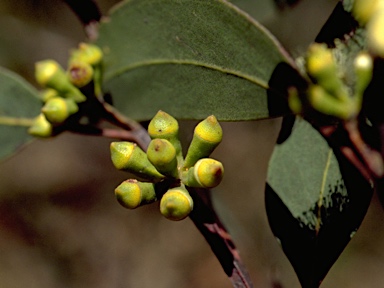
x,y
347,137
207,221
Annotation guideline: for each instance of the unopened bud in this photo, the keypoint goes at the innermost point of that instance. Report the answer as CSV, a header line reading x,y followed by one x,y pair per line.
x,y
375,32
58,109
87,53
294,101
80,73
363,65
129,157
363,10
176,204
322,66
48,93
49,74
329,105
132,193
164,126
162,155
207,173
41,127
206,137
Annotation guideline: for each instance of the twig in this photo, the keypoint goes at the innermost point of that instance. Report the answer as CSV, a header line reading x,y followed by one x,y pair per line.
x,y
347,138
207,221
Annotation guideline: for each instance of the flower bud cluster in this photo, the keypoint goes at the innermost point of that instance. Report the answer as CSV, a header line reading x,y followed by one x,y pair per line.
x,y
328,94
164,170
62,88
370,13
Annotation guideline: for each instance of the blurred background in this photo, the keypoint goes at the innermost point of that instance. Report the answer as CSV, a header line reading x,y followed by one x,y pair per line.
x,y
61,226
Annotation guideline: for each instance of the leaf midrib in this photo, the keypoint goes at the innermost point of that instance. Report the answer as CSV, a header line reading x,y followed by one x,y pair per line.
x,y
253,79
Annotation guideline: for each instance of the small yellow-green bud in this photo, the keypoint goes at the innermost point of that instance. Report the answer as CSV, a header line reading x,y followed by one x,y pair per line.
x,y
164,126
322,66
176,204
41,127
294,101
375,32
49,74
129,157
207,173
132,193
88,53
207,135
58,109
329,105
48,93
363,10
363,65
162,155
80,73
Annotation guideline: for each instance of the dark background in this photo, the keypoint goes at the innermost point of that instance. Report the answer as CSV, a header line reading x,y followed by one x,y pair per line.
x,y
61,226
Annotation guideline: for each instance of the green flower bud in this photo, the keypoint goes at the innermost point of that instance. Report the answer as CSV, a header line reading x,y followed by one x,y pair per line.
x,y
207,173
207,135
294,101
164,126
322,66
162,155
48,93
132,193
49,74
58,109
363,10
129,157
329,105
363,65
80,73
87,53
41,127
375,32
176,204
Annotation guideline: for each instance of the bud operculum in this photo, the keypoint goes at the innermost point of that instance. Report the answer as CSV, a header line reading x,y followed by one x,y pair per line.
x,y
207,173
41,127
58,109
80,73
88,53
162,155
132,193
176,204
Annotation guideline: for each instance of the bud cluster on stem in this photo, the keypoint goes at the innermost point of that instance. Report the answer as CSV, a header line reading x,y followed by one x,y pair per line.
x,y
327,93
62,88
166,174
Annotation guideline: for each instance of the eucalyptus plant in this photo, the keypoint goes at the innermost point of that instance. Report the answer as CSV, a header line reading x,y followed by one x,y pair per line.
x,y
212,62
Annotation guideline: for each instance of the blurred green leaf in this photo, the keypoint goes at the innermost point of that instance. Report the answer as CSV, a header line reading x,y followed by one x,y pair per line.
x,y
19,103
189,58
315,202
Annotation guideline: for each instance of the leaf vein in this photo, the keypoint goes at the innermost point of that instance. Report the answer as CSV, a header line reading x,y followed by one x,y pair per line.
x,y
236,73
321,195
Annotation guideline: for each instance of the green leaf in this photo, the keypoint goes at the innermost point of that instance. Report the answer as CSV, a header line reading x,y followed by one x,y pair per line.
x,y
189,58
315,202
19,104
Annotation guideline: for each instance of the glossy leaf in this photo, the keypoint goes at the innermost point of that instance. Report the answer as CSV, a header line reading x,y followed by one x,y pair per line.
x,y
189,58
19,103
315,202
